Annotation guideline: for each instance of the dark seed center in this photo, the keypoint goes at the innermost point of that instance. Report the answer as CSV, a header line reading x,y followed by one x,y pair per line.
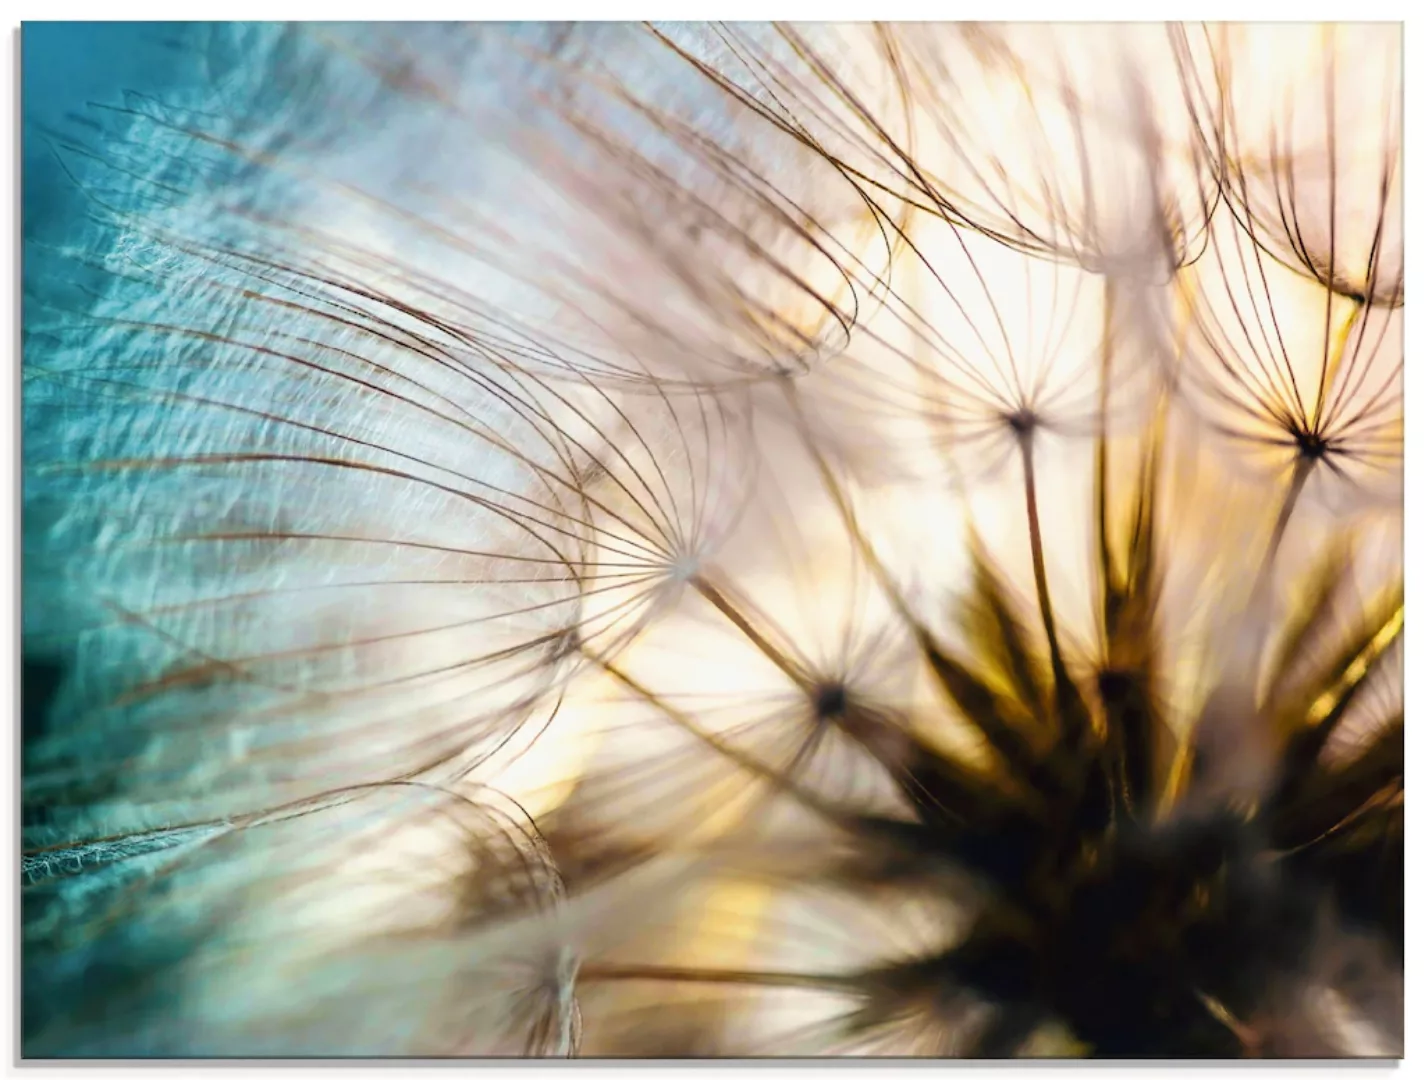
x,y
829,700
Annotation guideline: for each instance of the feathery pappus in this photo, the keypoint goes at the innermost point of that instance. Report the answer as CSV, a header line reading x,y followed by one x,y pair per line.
x,y
715,540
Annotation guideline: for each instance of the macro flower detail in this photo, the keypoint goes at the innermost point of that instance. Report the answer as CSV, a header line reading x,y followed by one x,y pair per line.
x,y
1310,158
718,541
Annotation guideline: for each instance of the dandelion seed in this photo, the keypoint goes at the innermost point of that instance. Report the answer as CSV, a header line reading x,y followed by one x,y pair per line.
x,y
1308,155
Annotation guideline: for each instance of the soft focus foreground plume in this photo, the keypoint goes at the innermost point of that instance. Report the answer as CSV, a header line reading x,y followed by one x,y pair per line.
x,y
722,540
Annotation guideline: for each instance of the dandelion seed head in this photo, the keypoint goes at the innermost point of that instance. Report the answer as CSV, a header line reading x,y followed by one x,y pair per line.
x,y
675,539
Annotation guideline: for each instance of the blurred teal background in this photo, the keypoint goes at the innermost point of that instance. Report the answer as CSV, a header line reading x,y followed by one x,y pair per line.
x,y
66,66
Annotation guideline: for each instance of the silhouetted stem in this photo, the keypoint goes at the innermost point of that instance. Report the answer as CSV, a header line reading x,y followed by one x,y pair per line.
x,y
1300,473
780,782
1101,450
653,973
717,599
1036,550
